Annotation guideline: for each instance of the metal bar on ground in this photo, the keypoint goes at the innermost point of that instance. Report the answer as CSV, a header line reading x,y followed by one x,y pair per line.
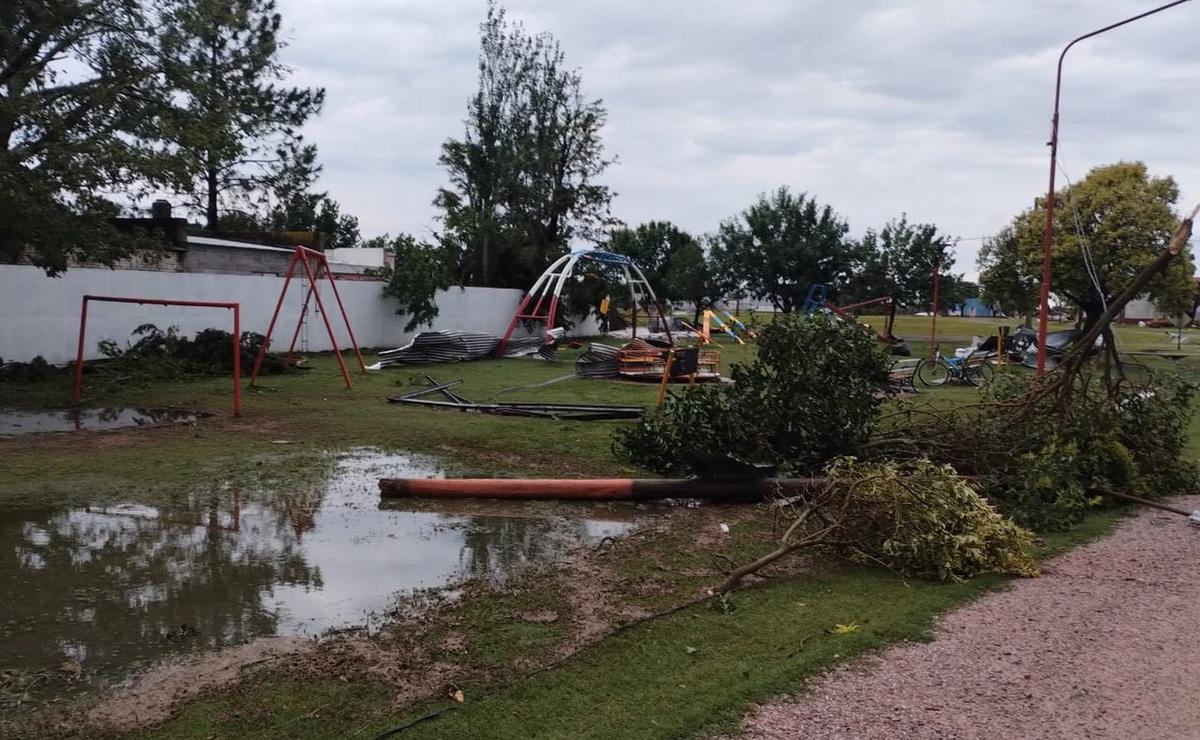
x,y
610,489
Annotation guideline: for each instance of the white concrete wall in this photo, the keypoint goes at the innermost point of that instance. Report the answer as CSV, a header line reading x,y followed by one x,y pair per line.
x,y
1142,309
40,315
365,256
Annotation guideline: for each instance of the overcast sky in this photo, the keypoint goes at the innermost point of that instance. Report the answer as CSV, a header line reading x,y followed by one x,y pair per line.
x,y
937,108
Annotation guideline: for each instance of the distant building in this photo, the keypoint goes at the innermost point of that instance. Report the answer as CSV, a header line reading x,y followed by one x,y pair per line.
x,y
184,248
977,308
376,257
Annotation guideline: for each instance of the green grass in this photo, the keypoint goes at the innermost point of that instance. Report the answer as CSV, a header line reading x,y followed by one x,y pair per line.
x,y
693,671
315,412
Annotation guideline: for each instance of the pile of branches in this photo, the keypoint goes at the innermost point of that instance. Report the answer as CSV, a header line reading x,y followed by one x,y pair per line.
x,y
165,354
919,519
1047,450
1046,459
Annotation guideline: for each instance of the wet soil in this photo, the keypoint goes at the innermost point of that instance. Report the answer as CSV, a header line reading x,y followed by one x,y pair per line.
x,y
95,596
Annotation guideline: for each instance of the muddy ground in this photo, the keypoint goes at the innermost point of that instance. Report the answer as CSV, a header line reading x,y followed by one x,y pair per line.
x,y
426,646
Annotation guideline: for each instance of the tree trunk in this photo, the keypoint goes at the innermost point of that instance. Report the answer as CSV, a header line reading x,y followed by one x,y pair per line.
x,y
486,266
212,214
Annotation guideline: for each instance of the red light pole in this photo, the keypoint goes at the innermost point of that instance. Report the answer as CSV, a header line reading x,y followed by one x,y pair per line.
x,y
1048,236
937,282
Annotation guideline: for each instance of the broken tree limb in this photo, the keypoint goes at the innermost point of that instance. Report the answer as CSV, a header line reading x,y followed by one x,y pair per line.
x,y
1136,288
610,489
1195,515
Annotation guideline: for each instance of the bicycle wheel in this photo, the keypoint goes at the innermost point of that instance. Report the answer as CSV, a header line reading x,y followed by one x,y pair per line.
x,y
981,375
933,372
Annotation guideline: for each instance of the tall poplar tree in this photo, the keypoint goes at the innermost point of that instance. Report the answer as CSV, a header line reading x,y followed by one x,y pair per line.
x,y
522,178
234,126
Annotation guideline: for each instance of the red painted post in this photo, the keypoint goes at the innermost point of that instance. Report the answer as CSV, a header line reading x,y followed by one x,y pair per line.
x,y
937,281
237,360
79,354
262,351
325,317
512,325
552,314
237,395
353,341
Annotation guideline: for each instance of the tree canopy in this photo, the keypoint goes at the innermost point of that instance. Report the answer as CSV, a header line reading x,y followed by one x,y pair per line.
x,y
784,243
523,177
696,277
902,256
651,245
1107,227
78,104
231,126
316,212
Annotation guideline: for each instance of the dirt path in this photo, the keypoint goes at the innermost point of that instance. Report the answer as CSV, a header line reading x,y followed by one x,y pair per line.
x,y
1106,644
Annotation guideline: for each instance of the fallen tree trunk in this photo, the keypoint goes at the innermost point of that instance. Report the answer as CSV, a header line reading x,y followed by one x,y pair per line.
x,y
605,489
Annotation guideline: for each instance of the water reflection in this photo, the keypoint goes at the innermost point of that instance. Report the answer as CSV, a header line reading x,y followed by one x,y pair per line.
x,y
17,421
119,587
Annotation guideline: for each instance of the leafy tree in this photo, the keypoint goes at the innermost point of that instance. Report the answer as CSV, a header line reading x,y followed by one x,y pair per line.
x,y
869,279
77,105
419,271
317,212
692,276
233,128
522,179
904,255
1120,215
955,290
652,245
784,243
1006,275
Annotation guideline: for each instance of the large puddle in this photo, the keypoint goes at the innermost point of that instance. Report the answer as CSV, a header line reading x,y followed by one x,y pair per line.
x,y
17,421
104,592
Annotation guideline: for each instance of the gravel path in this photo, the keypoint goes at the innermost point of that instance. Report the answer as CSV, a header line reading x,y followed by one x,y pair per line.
x,y
1106,644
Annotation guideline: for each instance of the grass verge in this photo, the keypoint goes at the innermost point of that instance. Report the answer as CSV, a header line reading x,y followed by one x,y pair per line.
x,y
692,671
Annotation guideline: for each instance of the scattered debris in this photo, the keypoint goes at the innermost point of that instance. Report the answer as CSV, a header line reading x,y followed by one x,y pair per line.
x,y
599,361
571,411
465,346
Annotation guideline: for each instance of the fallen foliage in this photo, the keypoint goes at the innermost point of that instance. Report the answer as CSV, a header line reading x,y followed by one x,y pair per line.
x,y
160,354
920,519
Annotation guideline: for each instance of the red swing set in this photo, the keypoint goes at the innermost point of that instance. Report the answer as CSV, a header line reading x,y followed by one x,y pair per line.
x,y
306,257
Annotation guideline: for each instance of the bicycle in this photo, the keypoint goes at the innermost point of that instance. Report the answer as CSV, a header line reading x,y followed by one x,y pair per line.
x,y
974,369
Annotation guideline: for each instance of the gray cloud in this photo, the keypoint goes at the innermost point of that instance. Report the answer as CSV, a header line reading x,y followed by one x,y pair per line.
x,y
937,108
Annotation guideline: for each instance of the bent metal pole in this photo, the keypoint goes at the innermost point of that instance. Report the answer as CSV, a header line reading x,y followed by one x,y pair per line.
x,y
1048,233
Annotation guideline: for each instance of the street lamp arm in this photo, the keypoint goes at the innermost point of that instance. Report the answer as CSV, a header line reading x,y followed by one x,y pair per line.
x,y
1048,234
1097,32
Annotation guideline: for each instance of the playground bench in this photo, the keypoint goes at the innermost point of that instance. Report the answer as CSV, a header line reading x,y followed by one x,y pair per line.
x,y
902,373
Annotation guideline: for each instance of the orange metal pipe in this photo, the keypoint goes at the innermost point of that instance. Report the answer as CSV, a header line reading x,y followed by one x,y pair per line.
x,y
603,489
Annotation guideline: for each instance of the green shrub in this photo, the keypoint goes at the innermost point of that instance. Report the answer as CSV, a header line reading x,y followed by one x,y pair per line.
x,y
813,392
